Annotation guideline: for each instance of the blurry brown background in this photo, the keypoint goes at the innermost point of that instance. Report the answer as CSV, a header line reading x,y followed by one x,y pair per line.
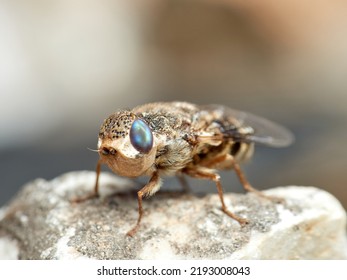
x,y
66,65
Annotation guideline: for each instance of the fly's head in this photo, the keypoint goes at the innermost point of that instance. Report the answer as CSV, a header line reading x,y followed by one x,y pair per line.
x,y
126,144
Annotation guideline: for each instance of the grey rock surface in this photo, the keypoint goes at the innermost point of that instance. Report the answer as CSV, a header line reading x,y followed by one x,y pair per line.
x,y
42,223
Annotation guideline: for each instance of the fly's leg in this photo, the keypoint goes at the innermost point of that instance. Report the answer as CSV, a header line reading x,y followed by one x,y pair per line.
x,y
208,174
226,157
95,193
248,187
152,186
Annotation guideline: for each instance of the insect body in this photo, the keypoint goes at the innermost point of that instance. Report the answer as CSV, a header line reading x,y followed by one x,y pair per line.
x,y
178,138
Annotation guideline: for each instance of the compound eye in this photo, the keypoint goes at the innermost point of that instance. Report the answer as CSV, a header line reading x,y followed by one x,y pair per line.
x,y
141,136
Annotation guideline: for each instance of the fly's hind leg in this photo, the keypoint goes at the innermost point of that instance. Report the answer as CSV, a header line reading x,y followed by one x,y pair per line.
x,y
95,192
208,174
248,187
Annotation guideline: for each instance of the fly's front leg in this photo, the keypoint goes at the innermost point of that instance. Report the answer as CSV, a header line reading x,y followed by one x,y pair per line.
x,y
151,188
208,174
95,193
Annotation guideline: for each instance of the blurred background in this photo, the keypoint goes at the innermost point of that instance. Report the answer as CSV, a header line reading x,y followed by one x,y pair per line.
x,y
65,65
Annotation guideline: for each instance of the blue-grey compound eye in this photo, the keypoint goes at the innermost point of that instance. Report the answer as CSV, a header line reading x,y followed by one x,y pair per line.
x,y
141,136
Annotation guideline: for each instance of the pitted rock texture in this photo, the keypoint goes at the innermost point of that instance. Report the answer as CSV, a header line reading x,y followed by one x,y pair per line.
x,y
41,222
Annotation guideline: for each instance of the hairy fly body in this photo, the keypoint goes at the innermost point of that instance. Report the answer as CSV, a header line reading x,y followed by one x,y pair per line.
x,y
177,138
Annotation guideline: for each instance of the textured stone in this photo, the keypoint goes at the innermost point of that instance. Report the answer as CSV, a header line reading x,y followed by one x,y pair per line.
x,y
42,223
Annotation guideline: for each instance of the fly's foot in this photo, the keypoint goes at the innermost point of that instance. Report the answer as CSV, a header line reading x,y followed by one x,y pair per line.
x,y
275,199
133,231
241,221
85,198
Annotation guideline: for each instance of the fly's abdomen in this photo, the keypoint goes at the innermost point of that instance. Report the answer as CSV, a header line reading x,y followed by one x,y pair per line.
x,y
241,151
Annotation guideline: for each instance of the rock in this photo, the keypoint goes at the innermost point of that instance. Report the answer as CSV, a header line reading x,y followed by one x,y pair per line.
x,y
42,223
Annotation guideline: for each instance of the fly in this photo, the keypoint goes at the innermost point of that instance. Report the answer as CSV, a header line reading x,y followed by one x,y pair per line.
x,y
180,138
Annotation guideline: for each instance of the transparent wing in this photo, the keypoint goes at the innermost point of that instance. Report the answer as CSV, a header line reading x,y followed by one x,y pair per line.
x,y
247,127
